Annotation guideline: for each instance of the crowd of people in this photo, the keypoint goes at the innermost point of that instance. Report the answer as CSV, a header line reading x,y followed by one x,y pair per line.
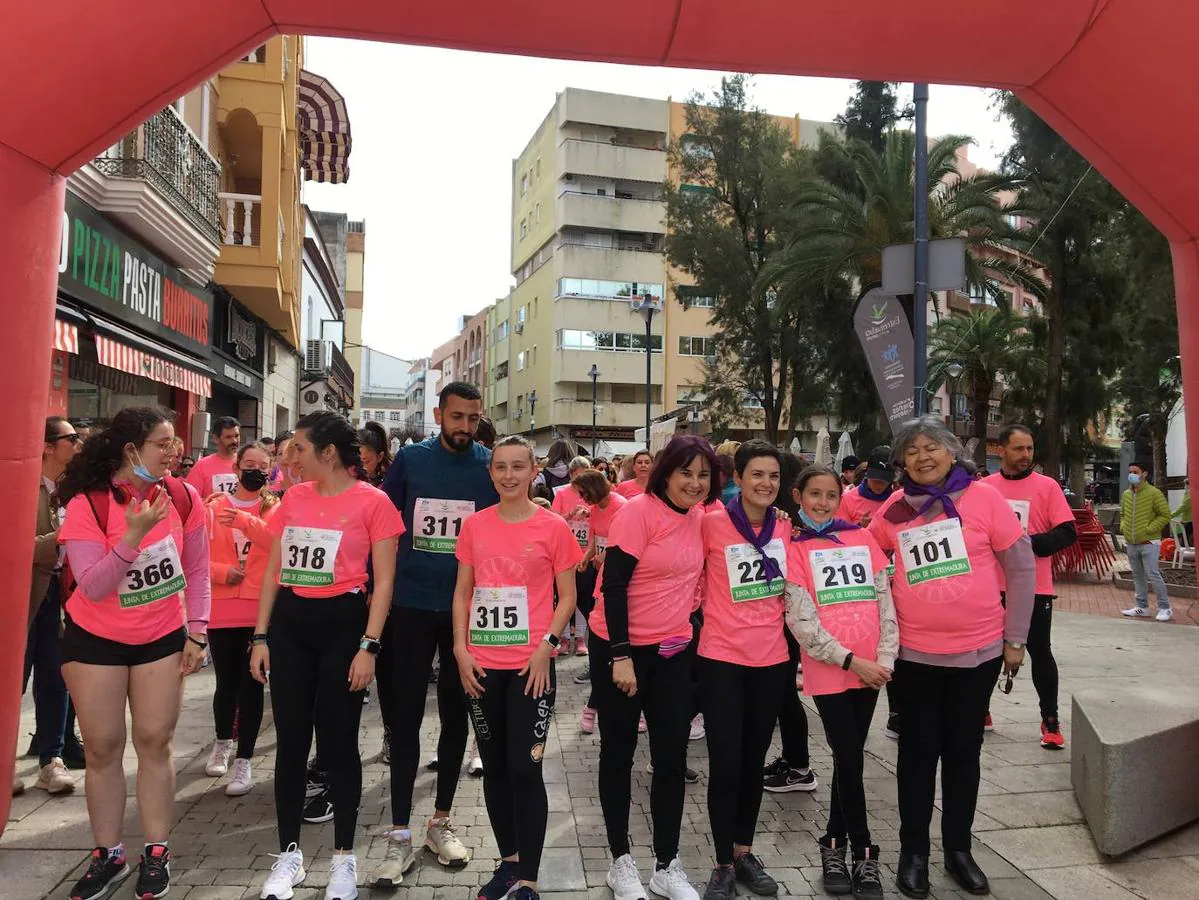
x,y
703,584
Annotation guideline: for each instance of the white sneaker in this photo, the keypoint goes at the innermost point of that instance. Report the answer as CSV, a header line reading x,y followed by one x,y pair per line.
x,y
625,880
242,780
475,769
343,877
396,863
218,759
697,728
446,846
286,873
1165,615
672,883
1136,612
53,778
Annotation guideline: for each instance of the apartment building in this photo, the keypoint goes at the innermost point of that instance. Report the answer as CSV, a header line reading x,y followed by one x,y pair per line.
x,y
382,384
355,303
464,356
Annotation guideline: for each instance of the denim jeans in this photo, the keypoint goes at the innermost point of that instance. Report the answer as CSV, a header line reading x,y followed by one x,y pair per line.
x,y
49,690
1145,570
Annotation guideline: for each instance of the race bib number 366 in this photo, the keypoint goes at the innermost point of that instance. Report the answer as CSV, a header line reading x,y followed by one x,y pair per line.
x,y
308,556
747,571
499,617
154,575
934,551
436,524
842,574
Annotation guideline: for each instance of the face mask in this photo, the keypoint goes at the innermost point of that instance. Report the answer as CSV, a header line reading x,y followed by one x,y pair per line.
x,y
812,523
253,479
140,470
1134,478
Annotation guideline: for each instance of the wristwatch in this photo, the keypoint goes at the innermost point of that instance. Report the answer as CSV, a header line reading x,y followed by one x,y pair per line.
x,y
1014,646
370,645
553,640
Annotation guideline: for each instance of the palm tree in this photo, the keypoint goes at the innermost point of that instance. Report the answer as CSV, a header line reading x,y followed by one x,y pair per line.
x,y
987,342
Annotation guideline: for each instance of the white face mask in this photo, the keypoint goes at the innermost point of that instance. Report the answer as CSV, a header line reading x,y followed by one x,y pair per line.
x,y
1134,478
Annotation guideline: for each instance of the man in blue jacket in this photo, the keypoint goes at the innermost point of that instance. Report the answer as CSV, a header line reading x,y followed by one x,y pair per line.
x,y
436,485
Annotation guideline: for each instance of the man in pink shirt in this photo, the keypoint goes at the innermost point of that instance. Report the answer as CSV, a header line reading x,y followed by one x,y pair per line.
x,y
218,470
1039,504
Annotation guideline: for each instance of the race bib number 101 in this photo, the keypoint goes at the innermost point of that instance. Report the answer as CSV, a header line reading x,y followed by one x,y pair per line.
x,y
934,551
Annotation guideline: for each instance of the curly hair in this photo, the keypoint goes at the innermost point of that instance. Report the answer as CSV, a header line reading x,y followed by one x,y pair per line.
x,y
103,454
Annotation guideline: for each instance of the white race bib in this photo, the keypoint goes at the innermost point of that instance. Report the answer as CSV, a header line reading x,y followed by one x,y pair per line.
x,y
579,520
155,574
309,555
225,483
934,551
842,574
601,544
499,617
747,571
436,524
1020,508
241,544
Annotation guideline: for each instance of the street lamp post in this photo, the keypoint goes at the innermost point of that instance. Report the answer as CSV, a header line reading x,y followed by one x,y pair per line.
x,y
594,375
647,305
954,370
533,414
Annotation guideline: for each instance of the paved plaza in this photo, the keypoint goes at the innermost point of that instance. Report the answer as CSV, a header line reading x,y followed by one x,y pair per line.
x,y
1031,840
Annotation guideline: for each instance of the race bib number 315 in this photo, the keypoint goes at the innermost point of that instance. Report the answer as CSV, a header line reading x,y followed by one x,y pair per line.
x,y
436,524
499,617
747,571
154,575
842,574
308,556
934,551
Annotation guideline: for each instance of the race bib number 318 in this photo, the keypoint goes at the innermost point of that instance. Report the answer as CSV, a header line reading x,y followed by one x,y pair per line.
x,y
309,555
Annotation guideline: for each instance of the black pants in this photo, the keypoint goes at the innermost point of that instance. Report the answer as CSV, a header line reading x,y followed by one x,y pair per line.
x,y
44,662
943,712
741,704
384,684
235,689
585,603
312,643
664,694
415,635
512,728
793,718
1040,655
846,717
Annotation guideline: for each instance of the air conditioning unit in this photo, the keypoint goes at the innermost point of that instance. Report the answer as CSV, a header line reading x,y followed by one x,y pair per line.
x,y
314,356
520,327
519,415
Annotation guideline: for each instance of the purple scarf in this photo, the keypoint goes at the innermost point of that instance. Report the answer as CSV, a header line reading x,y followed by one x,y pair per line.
x,y
957,480
758,540
829,533
864,490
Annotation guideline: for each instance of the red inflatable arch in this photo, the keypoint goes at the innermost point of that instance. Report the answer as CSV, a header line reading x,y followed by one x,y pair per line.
x,y
1115,77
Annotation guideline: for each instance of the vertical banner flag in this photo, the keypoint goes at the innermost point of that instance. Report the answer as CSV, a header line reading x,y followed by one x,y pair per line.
x,y
886,339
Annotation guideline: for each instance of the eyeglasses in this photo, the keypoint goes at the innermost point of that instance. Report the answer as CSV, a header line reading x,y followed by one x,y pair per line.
x,y
72,437
1005,682
165,445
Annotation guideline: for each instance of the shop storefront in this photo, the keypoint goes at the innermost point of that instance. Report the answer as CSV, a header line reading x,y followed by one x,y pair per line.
x,y
130,329
238,358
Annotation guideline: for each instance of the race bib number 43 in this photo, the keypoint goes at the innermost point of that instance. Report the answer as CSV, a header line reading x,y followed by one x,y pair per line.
x,y
747,571
842,574
934,551
436,524
154,575
308,556
499,617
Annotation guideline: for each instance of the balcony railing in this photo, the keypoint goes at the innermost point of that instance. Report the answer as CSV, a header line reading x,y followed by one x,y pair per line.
x,y
164,153
242,215
256,56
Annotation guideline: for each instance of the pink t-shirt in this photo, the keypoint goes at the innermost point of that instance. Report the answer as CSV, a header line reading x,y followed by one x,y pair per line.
x,y
602,518
1039,504
854,506
669,547
566,499
743,611
314,529
946,584
629,489
842,587
506,626
135,613
211,474
570,506
245,545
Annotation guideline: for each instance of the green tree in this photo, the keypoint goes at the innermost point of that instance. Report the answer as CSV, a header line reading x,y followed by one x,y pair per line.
x,y
872,112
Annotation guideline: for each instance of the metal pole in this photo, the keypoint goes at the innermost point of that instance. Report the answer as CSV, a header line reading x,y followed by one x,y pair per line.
x,y
594,379
649,371
920,301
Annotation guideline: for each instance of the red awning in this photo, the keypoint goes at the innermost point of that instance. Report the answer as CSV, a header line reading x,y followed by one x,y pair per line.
x,y
66,336
324,127
128,359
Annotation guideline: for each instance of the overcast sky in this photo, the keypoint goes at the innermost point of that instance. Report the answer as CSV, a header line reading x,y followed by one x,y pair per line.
x,y
434,135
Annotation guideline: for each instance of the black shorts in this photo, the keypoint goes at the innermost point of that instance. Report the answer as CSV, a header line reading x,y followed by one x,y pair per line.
x,y
82,646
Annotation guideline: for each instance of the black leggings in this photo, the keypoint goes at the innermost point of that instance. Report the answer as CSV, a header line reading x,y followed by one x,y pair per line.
x,y
846,717
416,634
512,729
1040,655
384,685
741,704
585,599
793,718
664,694
943,712
312,643
235,689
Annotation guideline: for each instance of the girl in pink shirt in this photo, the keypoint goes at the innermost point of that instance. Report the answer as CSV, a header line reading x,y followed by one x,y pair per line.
x,y
138,548
323,637
577,514
241,544
510,559
839,609
743,667
643,462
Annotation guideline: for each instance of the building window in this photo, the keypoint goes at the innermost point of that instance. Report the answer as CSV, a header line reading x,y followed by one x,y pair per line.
x,y
520,316
537,212
694,302
537,167
697,346
501,331
598,289
394,417
524,228
524,184
572,339
521,359
501,371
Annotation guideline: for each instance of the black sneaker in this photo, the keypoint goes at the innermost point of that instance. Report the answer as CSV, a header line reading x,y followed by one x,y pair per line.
x,y
154,873
892,726
104,874
689,774
32,752
835,873
751,873
502,882
524,893
777,767
790,780
584,676
318,807
722,885
867,878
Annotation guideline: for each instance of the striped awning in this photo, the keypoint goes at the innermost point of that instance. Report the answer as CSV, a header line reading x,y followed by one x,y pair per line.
x,y
124,358
324,127
66,337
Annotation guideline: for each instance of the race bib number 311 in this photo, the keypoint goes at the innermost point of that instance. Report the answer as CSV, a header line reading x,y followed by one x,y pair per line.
x,y
499,617
747,571
154,575
842,574
308,556
436,524
934,551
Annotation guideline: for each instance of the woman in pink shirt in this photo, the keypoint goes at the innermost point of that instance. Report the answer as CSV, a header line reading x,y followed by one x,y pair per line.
x,y
642,650
510,558
743,668
950,536
240,542
577,514
138,549
323,637
643,462
839,609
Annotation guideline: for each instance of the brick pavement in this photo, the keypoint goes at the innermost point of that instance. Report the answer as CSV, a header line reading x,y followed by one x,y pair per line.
x,y
1094,596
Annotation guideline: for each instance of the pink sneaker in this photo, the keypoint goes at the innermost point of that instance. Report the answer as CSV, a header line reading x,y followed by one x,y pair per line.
x,y
587,721
580,647
641,726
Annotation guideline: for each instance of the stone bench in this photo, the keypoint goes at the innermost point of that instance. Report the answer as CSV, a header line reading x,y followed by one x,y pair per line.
x,y
1135,762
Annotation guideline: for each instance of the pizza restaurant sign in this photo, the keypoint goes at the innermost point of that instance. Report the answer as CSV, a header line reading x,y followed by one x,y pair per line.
x,y
106,269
